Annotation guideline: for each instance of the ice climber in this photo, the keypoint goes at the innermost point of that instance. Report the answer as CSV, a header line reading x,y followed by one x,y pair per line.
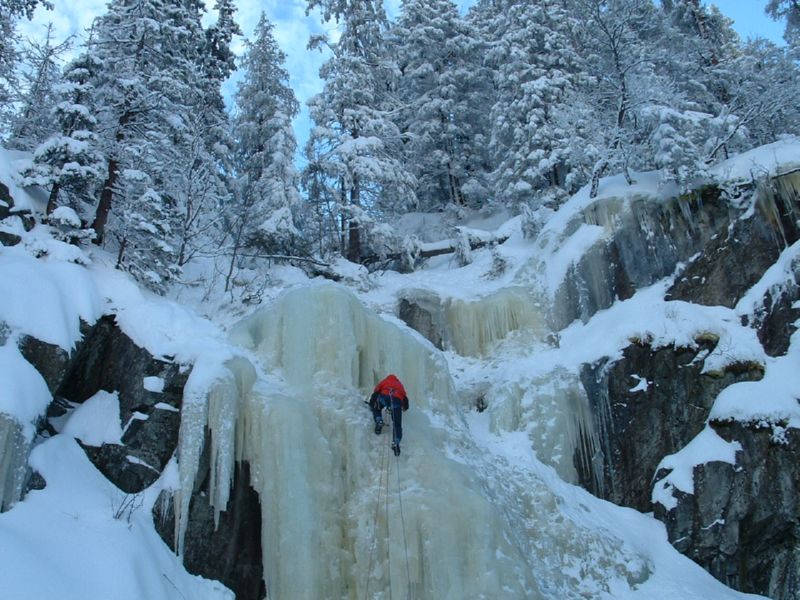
x,y
390,393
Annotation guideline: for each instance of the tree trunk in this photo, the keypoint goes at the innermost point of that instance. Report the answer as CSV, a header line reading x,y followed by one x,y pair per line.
x,y
354,229
597,173
104,207
122,245
52,200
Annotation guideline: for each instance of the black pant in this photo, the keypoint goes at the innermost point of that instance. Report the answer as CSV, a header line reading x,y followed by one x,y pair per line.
x,y
396,407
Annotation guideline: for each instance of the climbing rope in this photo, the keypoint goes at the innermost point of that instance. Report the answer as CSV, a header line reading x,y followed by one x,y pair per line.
x,y
388,532
403,524
383,469
402,517
386,469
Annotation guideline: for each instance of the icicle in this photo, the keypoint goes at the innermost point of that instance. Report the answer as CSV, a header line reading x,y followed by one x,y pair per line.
x,y
210,399
322,338
15,447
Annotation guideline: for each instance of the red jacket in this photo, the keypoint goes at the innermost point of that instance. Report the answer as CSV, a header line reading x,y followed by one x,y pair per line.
x,y
390,386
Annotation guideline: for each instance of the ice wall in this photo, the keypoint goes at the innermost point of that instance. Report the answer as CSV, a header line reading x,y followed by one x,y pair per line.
x,y
553,410
322,340
341,516
472,327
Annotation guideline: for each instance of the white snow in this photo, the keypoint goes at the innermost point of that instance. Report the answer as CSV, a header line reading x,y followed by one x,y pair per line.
x,y
96,421
23,394
46,300
11,164
772,159
81,537
706,447
642,385
153,384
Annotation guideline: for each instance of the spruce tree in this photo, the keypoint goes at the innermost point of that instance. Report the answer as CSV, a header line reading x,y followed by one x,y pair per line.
x,y
267,197
355,143
443,89
69,160
534,67
146,91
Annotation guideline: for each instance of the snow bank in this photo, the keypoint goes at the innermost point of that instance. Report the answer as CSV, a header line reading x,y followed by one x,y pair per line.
x,y
46,300
81,537
24,199
770,402
765,161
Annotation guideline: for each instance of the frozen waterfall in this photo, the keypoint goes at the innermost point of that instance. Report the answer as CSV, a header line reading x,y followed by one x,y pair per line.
x,y
470,525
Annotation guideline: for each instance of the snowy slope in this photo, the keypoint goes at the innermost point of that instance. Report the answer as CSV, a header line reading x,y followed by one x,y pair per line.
x,y
81,537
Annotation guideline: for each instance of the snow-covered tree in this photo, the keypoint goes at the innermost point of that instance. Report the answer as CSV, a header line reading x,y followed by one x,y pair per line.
x,y
789,10
442,89
616,43
204,170
262,217
69,160
765,88
354,142
10,12
33,121
534,67
149,84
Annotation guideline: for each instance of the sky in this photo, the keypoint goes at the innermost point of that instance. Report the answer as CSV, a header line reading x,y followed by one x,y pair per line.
x,y
293,29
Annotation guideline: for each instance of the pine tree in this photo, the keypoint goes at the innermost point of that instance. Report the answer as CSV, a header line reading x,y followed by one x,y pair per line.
x,y
355,142
204,169
33,121
534,72
10,12
145,93
267,194
69,159
442,89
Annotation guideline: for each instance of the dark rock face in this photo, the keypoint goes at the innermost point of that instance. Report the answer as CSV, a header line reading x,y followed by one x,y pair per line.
x,y
230,553
738,257
636,428
108,360
6,201
741,524
649,241
50,360
113,462
423,317
775,322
